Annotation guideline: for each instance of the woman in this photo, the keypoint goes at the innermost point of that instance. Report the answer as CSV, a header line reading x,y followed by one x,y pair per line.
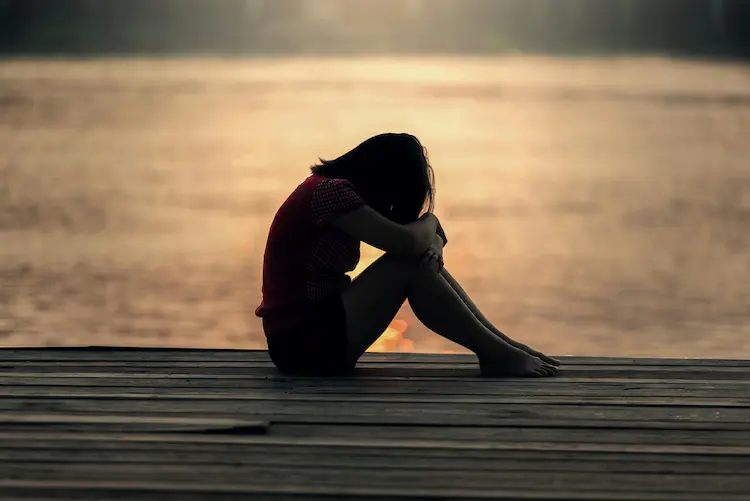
x,y
317,321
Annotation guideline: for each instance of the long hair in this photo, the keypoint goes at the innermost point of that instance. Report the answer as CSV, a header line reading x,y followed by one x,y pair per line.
x,y
391,172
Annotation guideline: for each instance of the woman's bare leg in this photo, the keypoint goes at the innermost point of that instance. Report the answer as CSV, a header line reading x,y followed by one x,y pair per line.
x,y
374,298
480,316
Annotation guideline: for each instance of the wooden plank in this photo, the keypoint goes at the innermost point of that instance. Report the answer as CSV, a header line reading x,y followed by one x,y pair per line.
x,y
579,436
173,491
363,367
481,414
659,373
566,360
335,459
136,423
436,425
270,476
530,387
570,394
523,433
23,443
354,398
210,355
363,378
433,427
265,371
171,441
436,365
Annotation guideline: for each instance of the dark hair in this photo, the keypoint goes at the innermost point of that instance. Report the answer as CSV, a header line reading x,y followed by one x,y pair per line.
x,y
391,172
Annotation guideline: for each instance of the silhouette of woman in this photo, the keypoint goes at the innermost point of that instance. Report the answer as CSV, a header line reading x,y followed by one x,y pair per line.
x,y
319,322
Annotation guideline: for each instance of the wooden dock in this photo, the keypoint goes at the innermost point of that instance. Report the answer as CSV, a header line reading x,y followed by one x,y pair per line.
x,y
82,424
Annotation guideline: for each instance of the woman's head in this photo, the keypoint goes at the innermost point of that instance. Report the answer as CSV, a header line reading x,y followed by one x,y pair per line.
x,y
391,172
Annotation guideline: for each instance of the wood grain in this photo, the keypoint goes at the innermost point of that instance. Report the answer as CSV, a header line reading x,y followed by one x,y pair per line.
x,y
92,423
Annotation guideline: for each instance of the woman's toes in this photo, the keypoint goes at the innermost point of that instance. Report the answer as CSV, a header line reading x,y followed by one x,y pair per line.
x,y
548,370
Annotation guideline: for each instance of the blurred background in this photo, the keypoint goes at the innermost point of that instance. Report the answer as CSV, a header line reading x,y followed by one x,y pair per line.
x,y
592,162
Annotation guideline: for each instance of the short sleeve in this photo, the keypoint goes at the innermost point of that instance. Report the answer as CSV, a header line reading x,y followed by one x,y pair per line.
x,y
333,197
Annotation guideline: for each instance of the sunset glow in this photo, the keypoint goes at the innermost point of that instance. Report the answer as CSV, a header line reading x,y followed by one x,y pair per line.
x,y
393,339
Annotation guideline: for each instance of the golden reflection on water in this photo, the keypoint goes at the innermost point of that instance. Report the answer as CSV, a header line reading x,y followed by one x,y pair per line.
x,y
594,207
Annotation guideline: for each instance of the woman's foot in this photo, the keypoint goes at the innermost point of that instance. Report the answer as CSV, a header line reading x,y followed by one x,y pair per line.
x,y
538,354
516,363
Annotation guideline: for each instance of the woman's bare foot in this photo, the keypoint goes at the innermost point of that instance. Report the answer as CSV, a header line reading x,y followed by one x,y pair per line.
x,y
538,354
517,363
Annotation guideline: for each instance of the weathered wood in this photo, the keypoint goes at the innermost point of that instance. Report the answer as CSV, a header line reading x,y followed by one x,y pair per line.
x,y
356,398
148,378
201,442
483,414
582,392
134,423
370,453
436,366
580,437
270,476
173,491
624,434
522,462
400,386
115,354
386,372
368,363
199,424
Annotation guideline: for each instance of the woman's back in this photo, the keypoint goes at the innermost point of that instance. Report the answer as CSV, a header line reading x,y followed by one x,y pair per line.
x,y
306,260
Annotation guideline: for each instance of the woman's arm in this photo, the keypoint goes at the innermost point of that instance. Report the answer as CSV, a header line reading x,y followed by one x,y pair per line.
x,y
367,225
440,231
441,234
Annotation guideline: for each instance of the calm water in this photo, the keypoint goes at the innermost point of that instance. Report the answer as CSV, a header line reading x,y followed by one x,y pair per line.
x,y
595,207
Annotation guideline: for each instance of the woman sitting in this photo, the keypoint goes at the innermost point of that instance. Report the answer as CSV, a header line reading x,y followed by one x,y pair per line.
x,y
319,322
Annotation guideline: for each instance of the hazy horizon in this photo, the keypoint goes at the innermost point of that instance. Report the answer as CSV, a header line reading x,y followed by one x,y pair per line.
x,y
699,28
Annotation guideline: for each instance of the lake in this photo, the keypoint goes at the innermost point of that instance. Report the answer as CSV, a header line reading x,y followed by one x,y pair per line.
x,y
594,206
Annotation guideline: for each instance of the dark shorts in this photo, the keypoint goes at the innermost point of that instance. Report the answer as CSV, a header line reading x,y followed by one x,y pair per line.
x,y
317,347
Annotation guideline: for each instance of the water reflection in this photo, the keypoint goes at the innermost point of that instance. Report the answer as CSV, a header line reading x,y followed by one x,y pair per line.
x,y
595,207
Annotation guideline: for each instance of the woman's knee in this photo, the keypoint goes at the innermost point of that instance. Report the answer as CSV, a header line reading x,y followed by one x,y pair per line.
x,y
413,267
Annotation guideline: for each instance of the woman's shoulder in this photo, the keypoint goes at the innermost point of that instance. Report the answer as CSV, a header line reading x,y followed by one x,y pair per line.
x,y
333,196
332,184
323,195
307,188
318,184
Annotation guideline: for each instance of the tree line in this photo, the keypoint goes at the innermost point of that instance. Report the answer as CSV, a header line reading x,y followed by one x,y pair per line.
x,y
89,27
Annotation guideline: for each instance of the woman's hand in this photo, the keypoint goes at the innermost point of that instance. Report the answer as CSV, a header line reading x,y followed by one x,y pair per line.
x,y
423,230
434,255
439,227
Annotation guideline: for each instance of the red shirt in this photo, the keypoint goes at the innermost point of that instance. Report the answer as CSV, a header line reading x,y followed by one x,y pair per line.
x,y
306,259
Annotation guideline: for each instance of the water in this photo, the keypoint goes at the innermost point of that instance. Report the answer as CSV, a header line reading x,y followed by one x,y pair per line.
x,y
594,207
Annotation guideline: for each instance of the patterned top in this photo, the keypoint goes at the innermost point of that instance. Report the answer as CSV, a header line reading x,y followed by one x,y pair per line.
x,y
306,259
